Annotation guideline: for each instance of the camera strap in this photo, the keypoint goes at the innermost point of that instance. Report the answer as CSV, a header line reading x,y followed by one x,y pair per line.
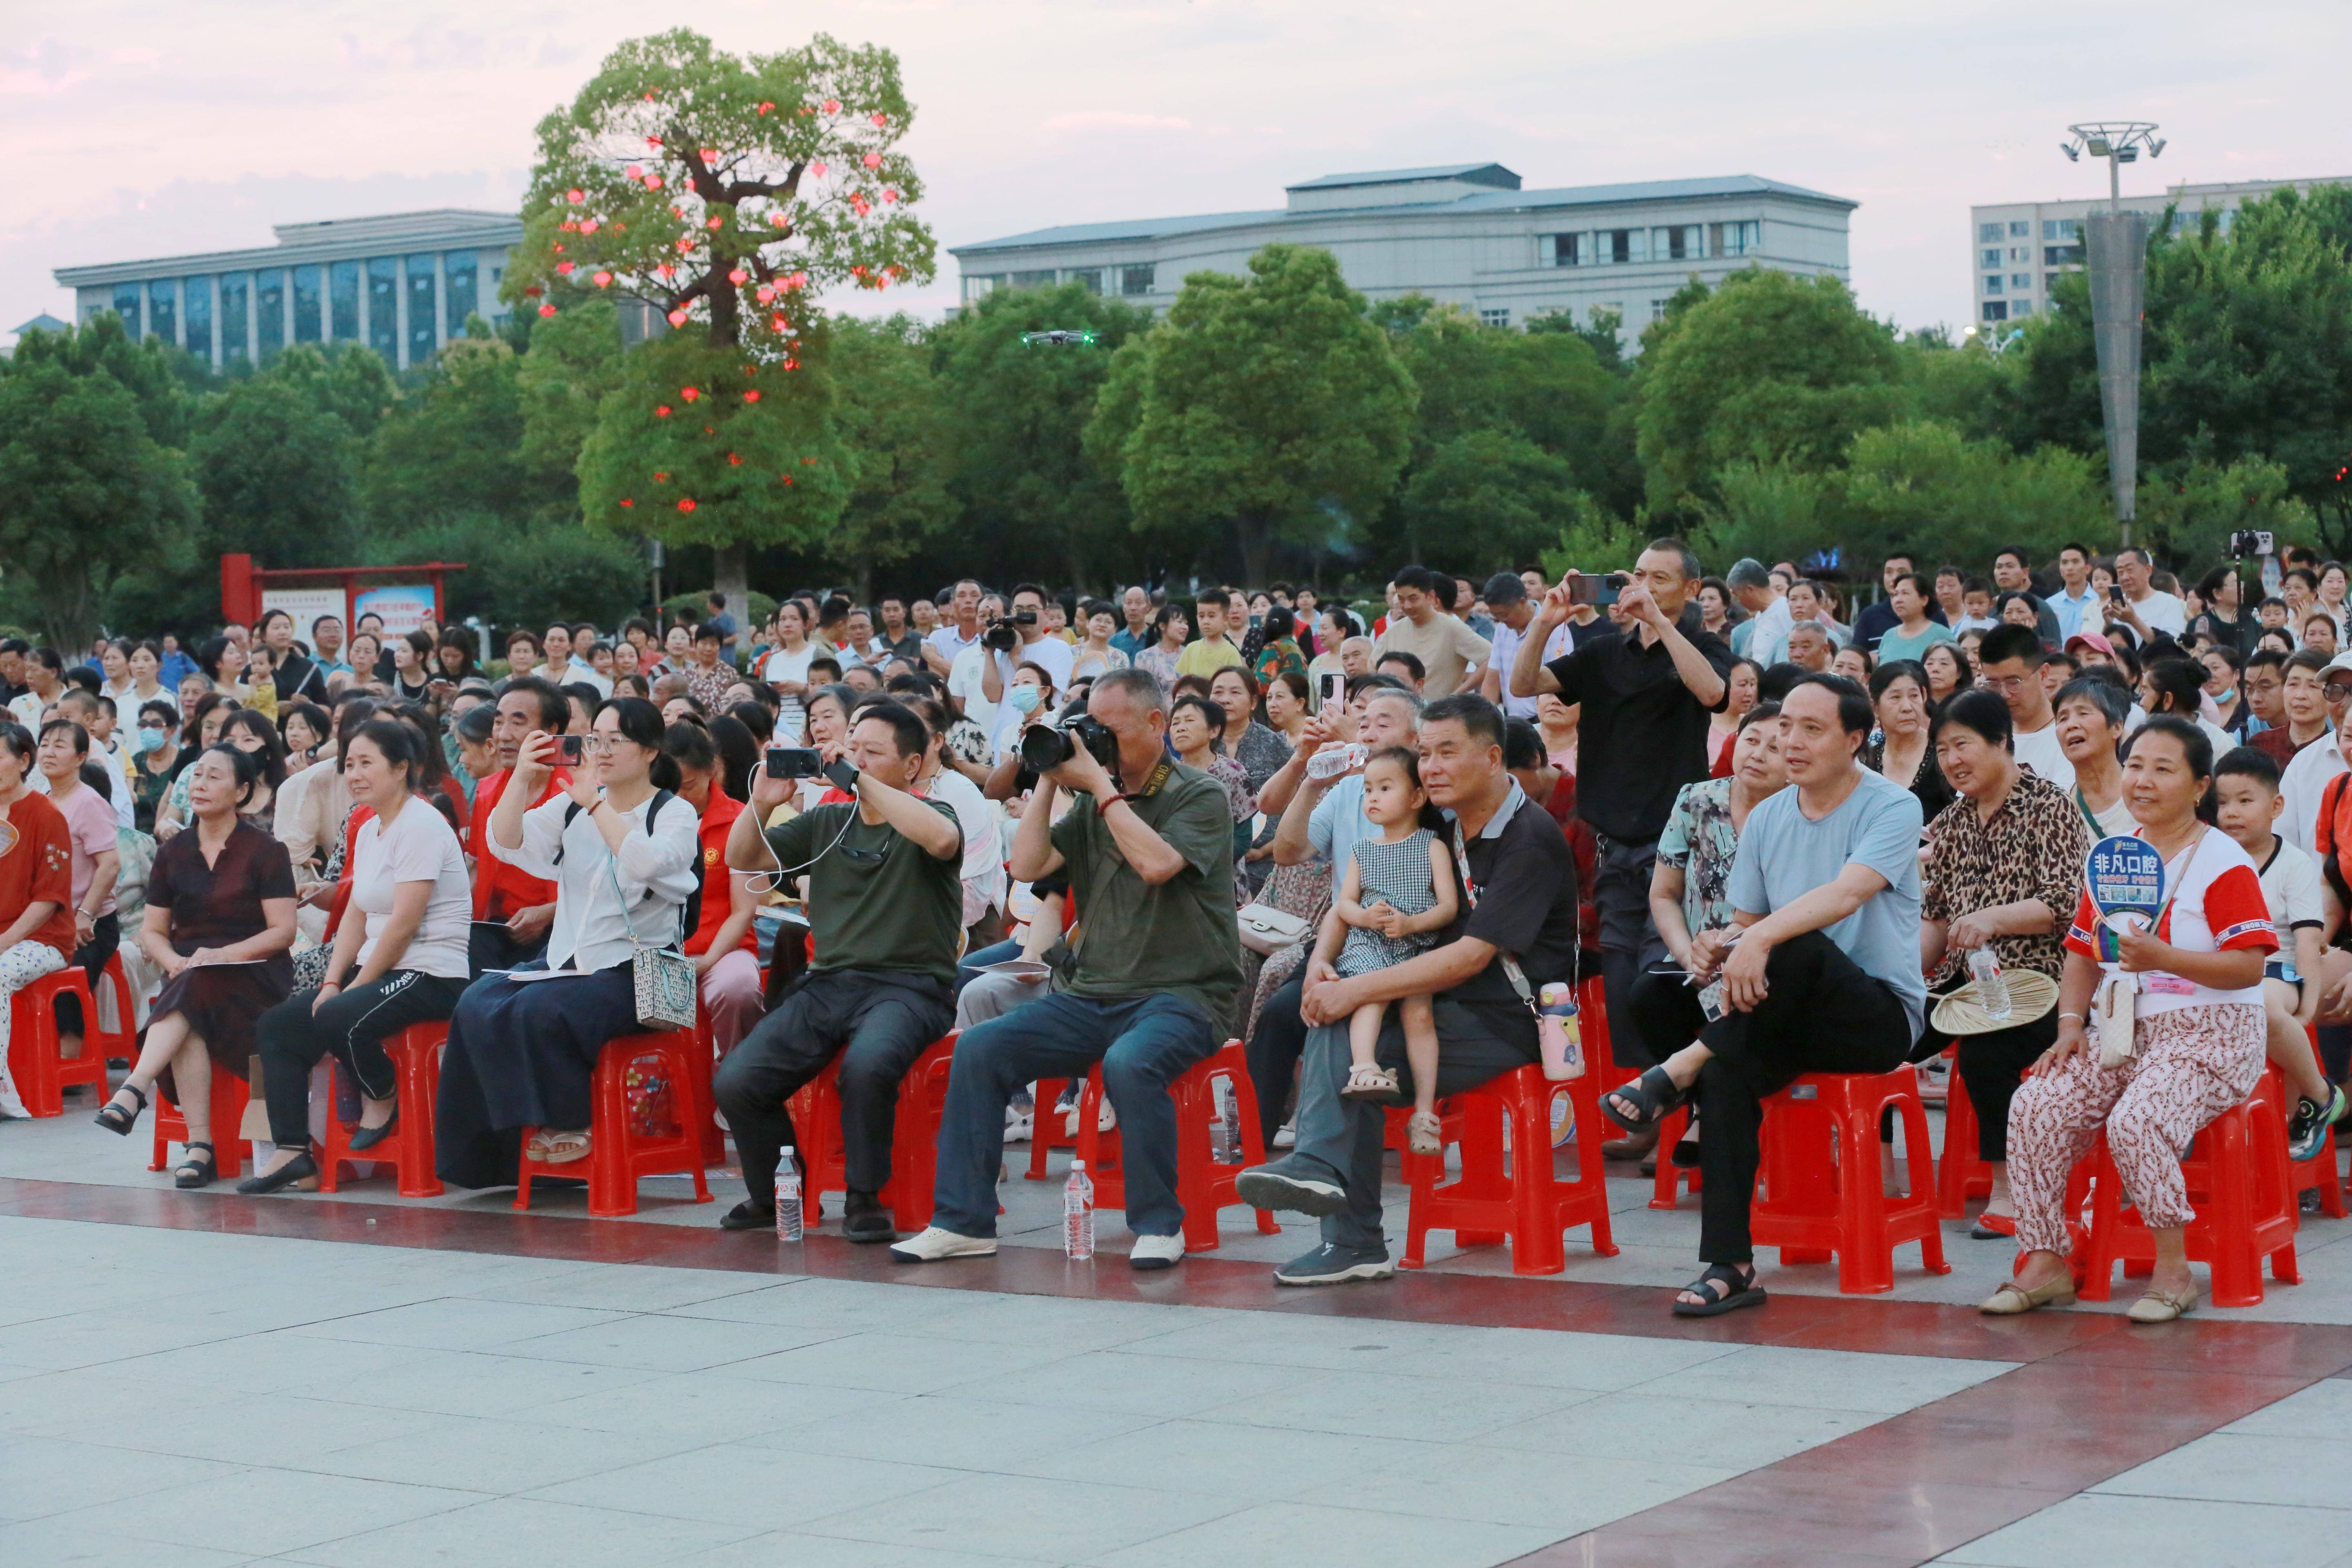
x,y
1151,786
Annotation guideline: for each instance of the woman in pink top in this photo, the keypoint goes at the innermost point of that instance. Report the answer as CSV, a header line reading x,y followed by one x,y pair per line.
x,y
89,828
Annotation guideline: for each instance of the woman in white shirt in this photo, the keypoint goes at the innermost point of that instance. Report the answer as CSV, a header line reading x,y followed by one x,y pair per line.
x,y
624,854
399,956
787,670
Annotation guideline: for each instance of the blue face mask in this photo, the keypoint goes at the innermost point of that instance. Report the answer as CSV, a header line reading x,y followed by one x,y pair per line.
x,y
150,739
1023,698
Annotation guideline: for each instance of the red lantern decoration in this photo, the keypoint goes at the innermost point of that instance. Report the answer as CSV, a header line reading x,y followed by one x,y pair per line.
x,y
752,396
663,478
712,224
653,142
709,154
547,310
576,196
686,504
689,393
776,220
588,227
636,170
832,106
817,168
881,119
677,318
627,501
603,280
734,461
652,182
737,275
661,410
889,195
872,160
563,267
765,292
766,107
649,98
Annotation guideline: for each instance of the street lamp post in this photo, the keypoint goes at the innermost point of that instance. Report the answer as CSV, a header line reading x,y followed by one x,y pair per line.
x,y
2114,246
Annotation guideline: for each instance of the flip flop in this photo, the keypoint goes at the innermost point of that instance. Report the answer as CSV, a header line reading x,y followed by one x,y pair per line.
x,y
1744,1292
1653,1095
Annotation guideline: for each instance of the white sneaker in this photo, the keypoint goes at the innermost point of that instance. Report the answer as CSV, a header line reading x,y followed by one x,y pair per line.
x,y
1156,1252
1285,1136
1019,1126
933,1245
1107,1119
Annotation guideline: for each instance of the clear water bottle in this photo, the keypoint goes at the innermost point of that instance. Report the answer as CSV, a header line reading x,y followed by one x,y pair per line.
x,y
1992,985
788,1197
1078,1215
1225,1131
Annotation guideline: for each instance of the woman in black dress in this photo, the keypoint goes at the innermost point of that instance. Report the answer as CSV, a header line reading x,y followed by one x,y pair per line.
x,y
220,919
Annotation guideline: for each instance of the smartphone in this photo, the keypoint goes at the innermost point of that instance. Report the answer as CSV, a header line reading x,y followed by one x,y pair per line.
x,y
843,777
2114,593
1594,588
794,762
1335,689
571,749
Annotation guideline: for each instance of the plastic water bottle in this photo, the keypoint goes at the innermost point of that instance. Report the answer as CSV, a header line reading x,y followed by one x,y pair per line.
x,y
788,1197
1992,985
1561,1037
1225,1131
1078,1215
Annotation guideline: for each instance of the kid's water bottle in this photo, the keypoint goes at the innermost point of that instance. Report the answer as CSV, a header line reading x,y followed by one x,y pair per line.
x,y
1225,1131
1561,1035
1078,1215
788,1197
1992,985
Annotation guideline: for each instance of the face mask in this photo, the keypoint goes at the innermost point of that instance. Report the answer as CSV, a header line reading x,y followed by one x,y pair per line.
x,y
150,739
1023,698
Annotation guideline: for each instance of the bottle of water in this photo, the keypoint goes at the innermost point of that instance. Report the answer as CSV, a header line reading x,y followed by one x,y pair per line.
x,y
788,1197
1078,1215
1992,985
1225,1131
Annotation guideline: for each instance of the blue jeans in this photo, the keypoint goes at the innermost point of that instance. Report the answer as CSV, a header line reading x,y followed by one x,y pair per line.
x,y
969,966
1144,1044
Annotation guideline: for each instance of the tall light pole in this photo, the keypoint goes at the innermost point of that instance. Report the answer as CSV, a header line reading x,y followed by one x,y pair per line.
x,y
2115,245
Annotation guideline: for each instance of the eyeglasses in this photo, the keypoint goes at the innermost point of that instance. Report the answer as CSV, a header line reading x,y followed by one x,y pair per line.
x,y
2338,690
2010,685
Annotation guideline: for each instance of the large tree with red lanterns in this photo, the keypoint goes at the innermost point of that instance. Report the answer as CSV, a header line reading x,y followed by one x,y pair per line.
x,y
728,193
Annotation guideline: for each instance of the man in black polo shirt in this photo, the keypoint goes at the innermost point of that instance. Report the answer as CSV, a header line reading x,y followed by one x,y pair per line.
x,y
1646,693
1516,932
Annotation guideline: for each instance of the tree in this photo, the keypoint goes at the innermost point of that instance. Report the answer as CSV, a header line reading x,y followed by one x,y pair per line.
x,y
1035,502
143,369
349,381
525,574
898,448
727,192
89,493
572,361
1770,369
1486,499
277,473
1268,406
2188,515
455,447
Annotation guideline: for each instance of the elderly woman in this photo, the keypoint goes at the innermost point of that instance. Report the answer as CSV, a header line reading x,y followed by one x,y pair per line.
x,y
2197,1034
37,926
1949,671
90,825
219,921
1193,735
1902,750
2093,716
2008,859
522,1054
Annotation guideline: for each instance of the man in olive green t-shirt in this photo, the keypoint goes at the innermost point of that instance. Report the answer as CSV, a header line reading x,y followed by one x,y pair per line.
x,y
1150,858
886,906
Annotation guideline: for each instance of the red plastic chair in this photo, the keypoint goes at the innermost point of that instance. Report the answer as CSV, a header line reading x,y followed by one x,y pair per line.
x,y
705,1063
2318,1173
42,1075
122,1041
415,1054
1671,1180
1204,1183
914,1138
2239,1183
230,1151
620,1153
1812,1199
1961,1172
1529,1205
1592,1017
1046,1134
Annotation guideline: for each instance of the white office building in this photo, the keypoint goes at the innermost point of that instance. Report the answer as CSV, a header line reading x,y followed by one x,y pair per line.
x,y
404,284
1465,234
2022,247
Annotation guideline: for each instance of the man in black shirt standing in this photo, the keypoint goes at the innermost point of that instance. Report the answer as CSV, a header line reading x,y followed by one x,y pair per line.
x,y
1646,693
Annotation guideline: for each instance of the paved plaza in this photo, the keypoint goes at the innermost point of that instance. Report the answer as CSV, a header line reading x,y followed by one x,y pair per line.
x,y
359,1381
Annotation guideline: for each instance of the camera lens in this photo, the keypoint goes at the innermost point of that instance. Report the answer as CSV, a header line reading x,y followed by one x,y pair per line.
x,y
1043,748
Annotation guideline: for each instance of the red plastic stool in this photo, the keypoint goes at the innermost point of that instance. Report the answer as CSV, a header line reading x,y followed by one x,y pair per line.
x,y
2318,1173
706,1063
1671,1180
415,1054
914,1138
1592,1020
1811,1202
2238,1183
1204,1183
1046,1132
619,1153
123,1041
42,1075
1529,1205
1961,1172
230,1151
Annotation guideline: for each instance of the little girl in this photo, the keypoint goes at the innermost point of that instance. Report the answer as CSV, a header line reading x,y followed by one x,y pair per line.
x,y
1398,893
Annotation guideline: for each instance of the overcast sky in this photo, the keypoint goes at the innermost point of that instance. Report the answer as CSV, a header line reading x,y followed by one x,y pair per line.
x,y
143,130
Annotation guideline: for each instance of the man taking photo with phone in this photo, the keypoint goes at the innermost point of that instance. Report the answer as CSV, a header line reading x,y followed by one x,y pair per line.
x,y
512,909
885,905
1647,694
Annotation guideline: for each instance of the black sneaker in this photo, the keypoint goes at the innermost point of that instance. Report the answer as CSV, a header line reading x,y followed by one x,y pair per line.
x,y
864,1218
749,1215
2306,1129
1281,1185
1332,1264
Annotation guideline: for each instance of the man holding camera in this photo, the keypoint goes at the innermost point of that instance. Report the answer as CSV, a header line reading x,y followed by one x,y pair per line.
x,y
886,906
1149,845
513,909
1011,644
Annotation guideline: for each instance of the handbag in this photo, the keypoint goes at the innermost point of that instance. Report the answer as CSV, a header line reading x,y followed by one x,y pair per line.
x,y
668,989
1267,931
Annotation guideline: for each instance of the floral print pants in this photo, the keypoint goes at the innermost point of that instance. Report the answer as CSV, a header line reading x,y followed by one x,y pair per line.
x,y
19,967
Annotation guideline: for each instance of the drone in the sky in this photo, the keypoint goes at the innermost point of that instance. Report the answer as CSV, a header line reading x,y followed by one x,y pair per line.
x,y
1060,338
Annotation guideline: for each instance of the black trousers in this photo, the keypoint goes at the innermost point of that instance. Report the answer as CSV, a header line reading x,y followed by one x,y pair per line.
x,y
1274,1050
351,1027
1629,942
1992,1065
877,1023
1667,1012
490,947
105,940
1820,1012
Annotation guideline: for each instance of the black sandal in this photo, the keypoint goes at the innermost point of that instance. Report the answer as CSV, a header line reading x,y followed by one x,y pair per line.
x,y
196,1170
1655,1097
116,1119
1744,1291
301,1166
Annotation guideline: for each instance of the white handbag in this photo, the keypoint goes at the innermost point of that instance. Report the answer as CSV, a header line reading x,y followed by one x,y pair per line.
x,y
1268,931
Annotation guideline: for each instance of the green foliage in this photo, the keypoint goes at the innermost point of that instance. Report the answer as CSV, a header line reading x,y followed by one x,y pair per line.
x,y
525,575
145,370
1486,498
349,381
1770,370
1266,405
90,493
890,415
572,361
1033,502
2188,515
455,446
279,475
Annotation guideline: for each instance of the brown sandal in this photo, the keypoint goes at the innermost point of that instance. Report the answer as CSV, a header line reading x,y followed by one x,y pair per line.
x,y
559,1148
1424,1134
2010,1297
1369,1081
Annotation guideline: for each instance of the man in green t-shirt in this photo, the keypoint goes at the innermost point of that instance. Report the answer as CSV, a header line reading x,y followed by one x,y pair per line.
x,y
885,905
1150,852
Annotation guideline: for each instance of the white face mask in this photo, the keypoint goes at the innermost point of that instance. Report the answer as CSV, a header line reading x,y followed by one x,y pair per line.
x,y
1023,698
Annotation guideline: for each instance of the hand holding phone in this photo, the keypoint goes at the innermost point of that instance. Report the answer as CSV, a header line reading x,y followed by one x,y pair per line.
x,y
572,750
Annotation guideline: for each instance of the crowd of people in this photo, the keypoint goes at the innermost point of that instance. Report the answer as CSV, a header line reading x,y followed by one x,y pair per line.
x,y
1790,832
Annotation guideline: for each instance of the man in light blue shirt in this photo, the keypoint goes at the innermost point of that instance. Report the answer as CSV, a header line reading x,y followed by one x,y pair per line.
x,y
2074,569
1818,972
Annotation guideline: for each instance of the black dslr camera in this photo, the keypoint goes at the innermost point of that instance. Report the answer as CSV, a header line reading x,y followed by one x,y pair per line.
x,y
1004,634
1047,746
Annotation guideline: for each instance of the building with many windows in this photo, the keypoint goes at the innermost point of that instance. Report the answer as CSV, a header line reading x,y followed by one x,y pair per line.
x,y
404,284
2022,247
1465,233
